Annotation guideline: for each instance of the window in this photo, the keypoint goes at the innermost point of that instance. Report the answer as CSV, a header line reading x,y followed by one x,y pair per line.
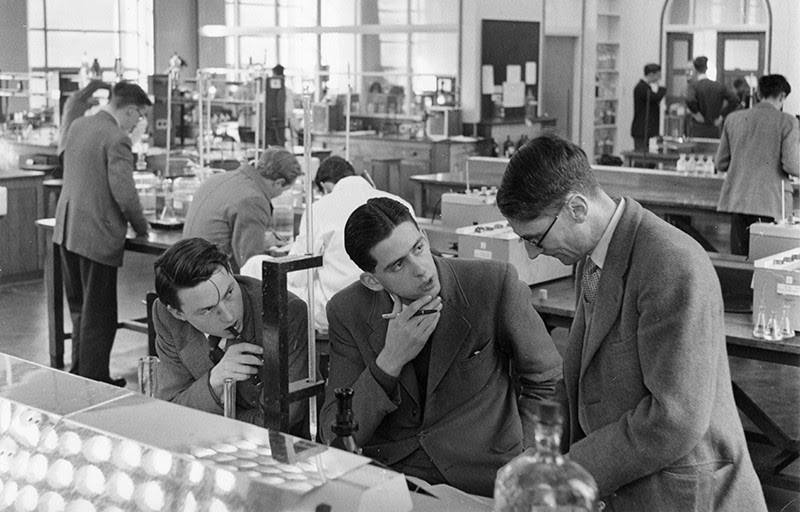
x,y
62,33
394,45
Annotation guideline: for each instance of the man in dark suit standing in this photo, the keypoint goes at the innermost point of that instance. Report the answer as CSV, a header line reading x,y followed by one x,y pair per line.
x,y
646,99
97,202
709,102
435,392
650,409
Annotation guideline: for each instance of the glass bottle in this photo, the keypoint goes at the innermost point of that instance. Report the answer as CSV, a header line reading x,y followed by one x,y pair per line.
x,y
541,479
787,331
96,71
760,326
345,424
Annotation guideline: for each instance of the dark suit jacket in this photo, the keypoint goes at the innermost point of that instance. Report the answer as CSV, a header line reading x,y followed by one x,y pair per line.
x,y
651,378
646,105
184,363
473,422
712,99
98,197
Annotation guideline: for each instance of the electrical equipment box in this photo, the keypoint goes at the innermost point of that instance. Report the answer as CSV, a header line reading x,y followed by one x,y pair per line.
x,y
497,241
776,285
459,210
767,238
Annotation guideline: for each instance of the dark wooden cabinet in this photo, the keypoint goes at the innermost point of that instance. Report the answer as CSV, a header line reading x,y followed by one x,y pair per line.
x,y
21,246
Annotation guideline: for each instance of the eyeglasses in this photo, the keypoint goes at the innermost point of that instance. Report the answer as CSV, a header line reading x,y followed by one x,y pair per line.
x,y
538,243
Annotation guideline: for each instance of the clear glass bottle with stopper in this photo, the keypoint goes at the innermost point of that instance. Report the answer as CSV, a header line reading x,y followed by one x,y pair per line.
x,y
541,479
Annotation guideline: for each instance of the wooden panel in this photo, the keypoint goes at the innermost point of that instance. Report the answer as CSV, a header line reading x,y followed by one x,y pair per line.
x,y
19,240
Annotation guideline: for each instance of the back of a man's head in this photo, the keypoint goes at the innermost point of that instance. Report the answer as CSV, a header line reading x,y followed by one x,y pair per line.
x,y
540,176
127,93
701,64
370,224
771,86
333,169
649,69
276,162
185,265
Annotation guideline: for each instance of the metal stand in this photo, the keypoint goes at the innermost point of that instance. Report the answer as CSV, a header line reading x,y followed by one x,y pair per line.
x,y
278,391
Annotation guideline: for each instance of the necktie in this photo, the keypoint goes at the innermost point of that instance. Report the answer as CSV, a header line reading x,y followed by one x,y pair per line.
x,y
590,279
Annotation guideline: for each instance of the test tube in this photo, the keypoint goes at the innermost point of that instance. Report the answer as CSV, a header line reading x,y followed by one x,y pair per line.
x,y
147,375
229,398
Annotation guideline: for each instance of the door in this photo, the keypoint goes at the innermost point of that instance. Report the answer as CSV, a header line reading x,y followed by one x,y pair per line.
x,y
558,75
739,54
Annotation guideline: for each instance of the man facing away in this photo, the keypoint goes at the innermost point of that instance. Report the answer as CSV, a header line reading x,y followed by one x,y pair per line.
x,y
650,409
708,101
435,392
233,209
201,308
758,150
646,102
343,192
97,201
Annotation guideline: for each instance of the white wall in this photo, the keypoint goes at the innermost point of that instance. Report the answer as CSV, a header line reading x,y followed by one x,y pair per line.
x,y
474,11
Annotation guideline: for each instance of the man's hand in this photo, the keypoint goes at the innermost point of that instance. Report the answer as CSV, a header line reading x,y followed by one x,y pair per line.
x,y
698,117
271,239
718,121
240,362
407,334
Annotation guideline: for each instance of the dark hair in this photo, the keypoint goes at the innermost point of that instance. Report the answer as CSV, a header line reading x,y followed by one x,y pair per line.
x,y
333,169
276,162
541,174
771,86
651,68
701,64
185,265
371,224
740,82
128,93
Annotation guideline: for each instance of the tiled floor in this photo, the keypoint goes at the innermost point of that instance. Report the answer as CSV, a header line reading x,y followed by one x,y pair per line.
x,y
23,333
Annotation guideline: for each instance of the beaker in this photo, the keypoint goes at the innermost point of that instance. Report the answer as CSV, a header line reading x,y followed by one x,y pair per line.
x,y
229,398
773,331
283,222
147,375
760,326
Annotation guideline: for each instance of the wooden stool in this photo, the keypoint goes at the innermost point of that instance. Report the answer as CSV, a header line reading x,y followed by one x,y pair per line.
x,y
52,190
386,174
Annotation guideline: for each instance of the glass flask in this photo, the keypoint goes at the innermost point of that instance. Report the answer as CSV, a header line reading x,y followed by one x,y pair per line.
x,y
760,326
541,479
345,423
786,325
773,330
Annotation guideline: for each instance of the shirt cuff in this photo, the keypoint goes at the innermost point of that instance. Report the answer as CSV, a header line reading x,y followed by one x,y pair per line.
x,y
385,381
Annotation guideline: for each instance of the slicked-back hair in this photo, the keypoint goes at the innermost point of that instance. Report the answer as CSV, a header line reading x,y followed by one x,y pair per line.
x,y
540,176
651,68
371,224
771,86
276,162
185,265
128,93
333,169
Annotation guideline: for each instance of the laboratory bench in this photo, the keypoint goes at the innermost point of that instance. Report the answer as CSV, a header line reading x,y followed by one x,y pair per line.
x,y
71,443
21,246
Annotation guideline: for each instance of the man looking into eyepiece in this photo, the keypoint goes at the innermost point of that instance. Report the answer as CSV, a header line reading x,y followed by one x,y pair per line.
x,y
434,393
200,301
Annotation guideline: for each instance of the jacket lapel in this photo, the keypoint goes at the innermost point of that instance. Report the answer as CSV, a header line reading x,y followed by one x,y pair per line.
x,y
609,292
452,329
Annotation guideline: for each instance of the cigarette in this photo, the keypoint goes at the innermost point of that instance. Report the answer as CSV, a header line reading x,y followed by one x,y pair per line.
x,y
392,316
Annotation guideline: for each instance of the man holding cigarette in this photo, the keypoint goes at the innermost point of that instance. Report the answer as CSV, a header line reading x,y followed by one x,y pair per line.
x,y
445,356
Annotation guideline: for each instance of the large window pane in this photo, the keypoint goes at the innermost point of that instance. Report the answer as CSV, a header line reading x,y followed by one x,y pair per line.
x,y
393,52
426,12
392,12
336,13
36,14
258,50
432,53
82,14
36,49
66,50
256,16
297,13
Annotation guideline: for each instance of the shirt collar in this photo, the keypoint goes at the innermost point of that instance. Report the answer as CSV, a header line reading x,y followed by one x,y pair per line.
x,y
598,255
